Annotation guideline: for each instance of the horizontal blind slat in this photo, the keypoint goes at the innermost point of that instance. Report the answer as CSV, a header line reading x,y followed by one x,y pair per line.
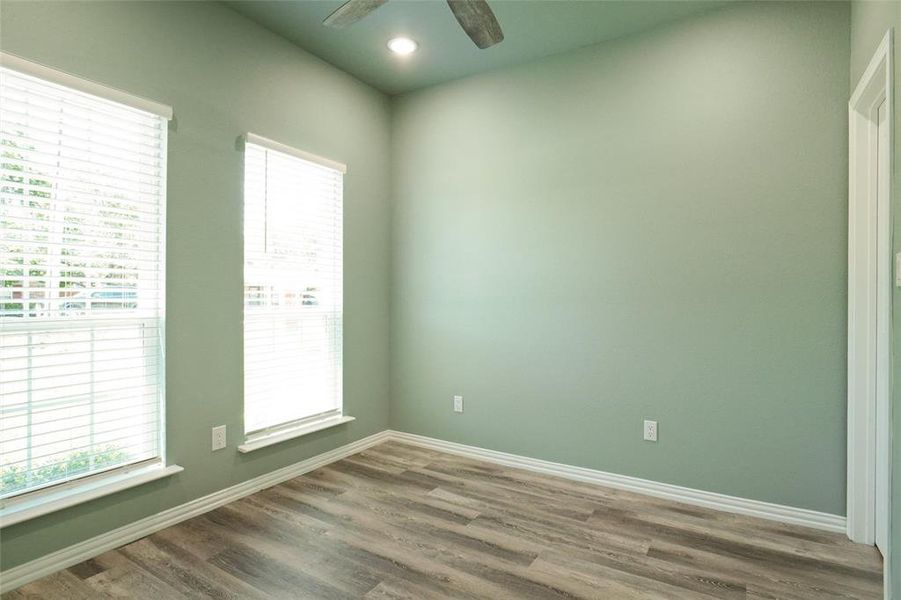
x,y
102,217
96,402
293,233
144,435
81,283
35,89
109,423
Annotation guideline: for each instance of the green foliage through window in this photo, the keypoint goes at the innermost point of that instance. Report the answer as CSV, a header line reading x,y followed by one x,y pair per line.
x,y
15,477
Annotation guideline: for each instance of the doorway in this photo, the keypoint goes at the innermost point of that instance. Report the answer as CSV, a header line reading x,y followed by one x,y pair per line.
x,y
869,301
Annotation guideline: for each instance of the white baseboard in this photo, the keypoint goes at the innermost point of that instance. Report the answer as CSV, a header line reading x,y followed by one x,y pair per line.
x,y
62,559
732,504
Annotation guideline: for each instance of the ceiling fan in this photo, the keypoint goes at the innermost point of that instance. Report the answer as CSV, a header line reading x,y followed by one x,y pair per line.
x,y
474,16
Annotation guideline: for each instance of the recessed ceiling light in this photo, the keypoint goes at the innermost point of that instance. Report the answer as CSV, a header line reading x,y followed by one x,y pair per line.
x,y
402,45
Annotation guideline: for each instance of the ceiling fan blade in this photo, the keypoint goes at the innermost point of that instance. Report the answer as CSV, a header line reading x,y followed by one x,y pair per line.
x,y
351,11
478,21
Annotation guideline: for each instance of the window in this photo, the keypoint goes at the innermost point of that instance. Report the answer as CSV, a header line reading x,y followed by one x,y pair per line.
x,y
82,200
293,273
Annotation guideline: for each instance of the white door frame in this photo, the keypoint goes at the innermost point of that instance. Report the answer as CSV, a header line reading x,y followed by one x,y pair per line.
x,y
869,311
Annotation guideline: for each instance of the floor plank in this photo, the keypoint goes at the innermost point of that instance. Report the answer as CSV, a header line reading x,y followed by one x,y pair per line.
x,y
398,522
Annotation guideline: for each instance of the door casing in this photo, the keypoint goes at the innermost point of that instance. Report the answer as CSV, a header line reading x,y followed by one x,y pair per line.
x,y
869,298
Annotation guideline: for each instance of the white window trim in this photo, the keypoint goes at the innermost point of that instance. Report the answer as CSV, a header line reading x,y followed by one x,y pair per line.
x,y
258,440
81,84
269,436
35,503
252,138
41,502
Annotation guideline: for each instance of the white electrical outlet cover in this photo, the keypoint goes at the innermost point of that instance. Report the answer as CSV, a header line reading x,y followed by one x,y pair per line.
x,y
650,431
219,438
458,404
898,269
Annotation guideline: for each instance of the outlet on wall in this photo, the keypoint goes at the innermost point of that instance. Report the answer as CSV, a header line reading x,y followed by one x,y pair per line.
x,y
458,403
218,437
898,269
650,431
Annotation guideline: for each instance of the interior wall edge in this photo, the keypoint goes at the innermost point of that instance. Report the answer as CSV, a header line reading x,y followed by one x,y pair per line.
x,y
20,575
61,559
650,229
223,75
722,502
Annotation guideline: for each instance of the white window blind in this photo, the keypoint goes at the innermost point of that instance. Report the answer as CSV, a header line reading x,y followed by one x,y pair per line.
x,y
293,221
82,198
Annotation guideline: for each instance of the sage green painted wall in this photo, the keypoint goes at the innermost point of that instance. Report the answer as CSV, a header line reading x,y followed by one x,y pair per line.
x,y
224,75
869,22
654,227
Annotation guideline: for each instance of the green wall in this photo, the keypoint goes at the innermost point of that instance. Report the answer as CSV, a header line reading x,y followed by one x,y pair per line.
x,y
224,76
869,22
653,227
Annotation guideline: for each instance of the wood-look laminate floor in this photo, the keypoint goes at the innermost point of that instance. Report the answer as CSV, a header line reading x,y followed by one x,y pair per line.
x,y
398,521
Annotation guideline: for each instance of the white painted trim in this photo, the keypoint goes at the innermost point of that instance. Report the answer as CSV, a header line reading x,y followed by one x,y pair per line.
x,y
295,432
59,496
868,320
252,138
732,504
874,68
161,300
27,67
42,502
62,559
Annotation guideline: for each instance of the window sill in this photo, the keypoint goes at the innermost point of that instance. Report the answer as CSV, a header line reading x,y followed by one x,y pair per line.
x,y
42,502
290,434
